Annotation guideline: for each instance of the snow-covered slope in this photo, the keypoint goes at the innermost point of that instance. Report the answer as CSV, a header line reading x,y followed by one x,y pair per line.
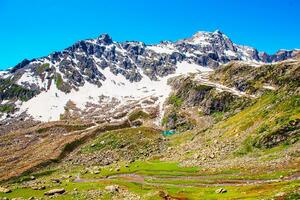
x,y
48,105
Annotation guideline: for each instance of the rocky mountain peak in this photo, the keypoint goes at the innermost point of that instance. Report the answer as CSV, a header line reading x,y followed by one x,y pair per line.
x,y
104,39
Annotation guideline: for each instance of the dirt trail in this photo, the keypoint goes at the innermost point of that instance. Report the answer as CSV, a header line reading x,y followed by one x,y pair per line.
x,y
203,78
208,180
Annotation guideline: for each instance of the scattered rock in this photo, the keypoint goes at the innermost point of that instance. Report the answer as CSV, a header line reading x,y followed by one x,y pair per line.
x,y
55,191
39,187
220,191
5,190
96,172
281,177
112,188
56,180
66,176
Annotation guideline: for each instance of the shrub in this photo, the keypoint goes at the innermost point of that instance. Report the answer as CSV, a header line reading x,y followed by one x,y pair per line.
x,y
175,101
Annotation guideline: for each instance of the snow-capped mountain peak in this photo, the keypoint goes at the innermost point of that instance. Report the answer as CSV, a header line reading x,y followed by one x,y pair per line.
x,y
119,71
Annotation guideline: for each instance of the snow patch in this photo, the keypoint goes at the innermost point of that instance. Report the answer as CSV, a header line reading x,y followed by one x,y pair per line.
x,y
48,105
167,49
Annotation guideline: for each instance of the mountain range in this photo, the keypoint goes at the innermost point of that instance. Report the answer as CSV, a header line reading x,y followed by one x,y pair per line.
x,y
124,71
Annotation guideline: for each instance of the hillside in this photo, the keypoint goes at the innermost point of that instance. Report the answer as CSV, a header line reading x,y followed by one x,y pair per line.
x,y
228,133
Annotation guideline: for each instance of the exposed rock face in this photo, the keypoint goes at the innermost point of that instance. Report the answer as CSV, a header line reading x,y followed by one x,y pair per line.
x,y
247,78
193,93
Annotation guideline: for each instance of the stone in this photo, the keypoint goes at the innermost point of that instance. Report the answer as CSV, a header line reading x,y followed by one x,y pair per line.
x,y
39,187
32,177
5,190
56,180
221,190
66,176
96,172
281,177
55,191
112,188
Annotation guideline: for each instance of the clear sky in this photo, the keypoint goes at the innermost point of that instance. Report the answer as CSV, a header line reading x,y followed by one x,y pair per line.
x,y
34,28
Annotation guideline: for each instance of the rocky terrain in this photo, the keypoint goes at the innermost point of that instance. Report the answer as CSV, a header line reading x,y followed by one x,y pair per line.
x,y
199,118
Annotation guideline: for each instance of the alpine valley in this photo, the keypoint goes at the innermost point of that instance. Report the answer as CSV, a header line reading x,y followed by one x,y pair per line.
x,y
198,118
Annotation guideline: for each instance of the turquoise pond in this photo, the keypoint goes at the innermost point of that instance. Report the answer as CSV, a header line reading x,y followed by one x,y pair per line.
x,y
168,132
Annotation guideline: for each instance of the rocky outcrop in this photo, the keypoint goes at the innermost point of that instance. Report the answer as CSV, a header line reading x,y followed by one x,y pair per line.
x,y
286,134
246,78
193,93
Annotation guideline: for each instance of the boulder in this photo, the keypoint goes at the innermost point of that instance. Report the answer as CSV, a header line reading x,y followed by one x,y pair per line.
x,y
39,187
4,190
55,191
112,188
221,190
56,180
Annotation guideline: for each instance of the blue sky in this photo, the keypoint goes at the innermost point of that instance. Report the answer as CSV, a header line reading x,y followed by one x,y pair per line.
x,y
34,28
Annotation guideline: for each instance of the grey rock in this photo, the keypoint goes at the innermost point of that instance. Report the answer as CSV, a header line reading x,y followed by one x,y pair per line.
x,y
55,191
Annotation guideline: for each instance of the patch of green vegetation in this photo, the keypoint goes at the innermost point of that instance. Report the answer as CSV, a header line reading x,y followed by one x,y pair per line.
x,y
150,167
68,128
263,128
178,139
246,147
135,139
40,69
59,81
175,101
138,114
7,108
218,116
293,196
269,116
202,87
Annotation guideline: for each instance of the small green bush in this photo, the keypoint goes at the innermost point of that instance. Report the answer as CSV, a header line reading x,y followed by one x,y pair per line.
x,y
175,101
6,108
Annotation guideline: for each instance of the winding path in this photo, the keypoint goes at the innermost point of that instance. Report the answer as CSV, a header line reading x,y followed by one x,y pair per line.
x,y
207,181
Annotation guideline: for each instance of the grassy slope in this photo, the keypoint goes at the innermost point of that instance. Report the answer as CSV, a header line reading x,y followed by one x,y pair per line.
x,y
247,130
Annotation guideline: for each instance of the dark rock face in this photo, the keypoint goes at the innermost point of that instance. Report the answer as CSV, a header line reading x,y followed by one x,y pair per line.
x,y
104,39
20,65
9,90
